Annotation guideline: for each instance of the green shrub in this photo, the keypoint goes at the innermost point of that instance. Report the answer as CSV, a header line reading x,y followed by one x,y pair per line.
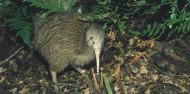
x,y
20,24
19,18
115,13
177,23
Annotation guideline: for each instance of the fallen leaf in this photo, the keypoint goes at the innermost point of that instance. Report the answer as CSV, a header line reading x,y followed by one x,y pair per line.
x,y
111,35
119,45
87,91
182,81
143,70
24,90
13,90
134,69
155,77
146,43
116,74
95,80
2,70
2,79
147,91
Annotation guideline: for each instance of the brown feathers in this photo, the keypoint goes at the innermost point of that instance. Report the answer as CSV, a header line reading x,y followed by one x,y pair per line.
x,y
63,40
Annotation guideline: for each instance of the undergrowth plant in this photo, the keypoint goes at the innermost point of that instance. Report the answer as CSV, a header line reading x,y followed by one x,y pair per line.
x,y
21,25
116,13
52,5
120,12
19,18
177,23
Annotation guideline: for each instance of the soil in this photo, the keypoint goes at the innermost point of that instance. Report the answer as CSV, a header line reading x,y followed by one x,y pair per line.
x,y
160,69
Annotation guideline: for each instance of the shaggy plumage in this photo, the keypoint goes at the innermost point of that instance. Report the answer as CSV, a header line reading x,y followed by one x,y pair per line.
x,y
64,40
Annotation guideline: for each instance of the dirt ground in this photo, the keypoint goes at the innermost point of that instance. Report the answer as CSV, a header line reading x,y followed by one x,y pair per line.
x,y
149,67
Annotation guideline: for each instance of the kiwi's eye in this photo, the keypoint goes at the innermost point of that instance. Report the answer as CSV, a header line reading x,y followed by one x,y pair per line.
x,y
93,42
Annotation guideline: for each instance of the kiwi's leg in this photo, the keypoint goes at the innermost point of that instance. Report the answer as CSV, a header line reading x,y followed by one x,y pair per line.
x,y
54,78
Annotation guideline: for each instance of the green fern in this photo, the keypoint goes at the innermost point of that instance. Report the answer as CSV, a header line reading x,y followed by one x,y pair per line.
x,y
178,23
7,8
17,19
52,5
22,27
39,3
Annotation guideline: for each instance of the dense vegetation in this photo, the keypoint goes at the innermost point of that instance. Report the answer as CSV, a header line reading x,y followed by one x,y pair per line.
x,y
162,19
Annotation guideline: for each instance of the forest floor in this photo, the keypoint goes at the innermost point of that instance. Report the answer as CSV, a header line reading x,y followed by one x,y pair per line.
x,y
147,67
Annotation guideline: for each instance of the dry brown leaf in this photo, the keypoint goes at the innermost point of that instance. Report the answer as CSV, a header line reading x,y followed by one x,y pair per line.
x,y
134,69
132,41
117,77
2,78
146,43
24,90
2,70
147,91
143,69
111,35
116,74
134,60
116,88
125,88
152,43
65,90
172,67
155,77
95,80
138,55
182,81
87,91
119,45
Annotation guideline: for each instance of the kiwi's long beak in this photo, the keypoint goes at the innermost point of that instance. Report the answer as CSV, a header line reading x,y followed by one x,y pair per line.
x,y
97,53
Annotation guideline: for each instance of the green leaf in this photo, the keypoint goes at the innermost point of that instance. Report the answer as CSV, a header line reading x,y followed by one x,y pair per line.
x,y
162,32
171,32
179,29
140,3
148,28
105,2
136,33
144,33
61,8
184,28
188,27
80,9
22,27
102,16
107,85
157,29
151,32
56,5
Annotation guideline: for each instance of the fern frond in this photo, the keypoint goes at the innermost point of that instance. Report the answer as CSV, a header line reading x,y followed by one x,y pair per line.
x,y
40,4
22,27
52,5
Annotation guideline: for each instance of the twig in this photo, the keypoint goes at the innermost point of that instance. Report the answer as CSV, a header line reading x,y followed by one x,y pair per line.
x,y
11,56
183,89
89,84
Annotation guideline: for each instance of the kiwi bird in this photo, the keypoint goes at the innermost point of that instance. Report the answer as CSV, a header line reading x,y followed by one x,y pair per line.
x,y
62,40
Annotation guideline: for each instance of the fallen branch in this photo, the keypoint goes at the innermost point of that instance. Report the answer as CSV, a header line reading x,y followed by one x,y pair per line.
x,y
7,59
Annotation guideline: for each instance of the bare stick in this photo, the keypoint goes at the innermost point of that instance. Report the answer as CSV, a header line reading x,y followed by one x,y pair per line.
x,y
7,59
